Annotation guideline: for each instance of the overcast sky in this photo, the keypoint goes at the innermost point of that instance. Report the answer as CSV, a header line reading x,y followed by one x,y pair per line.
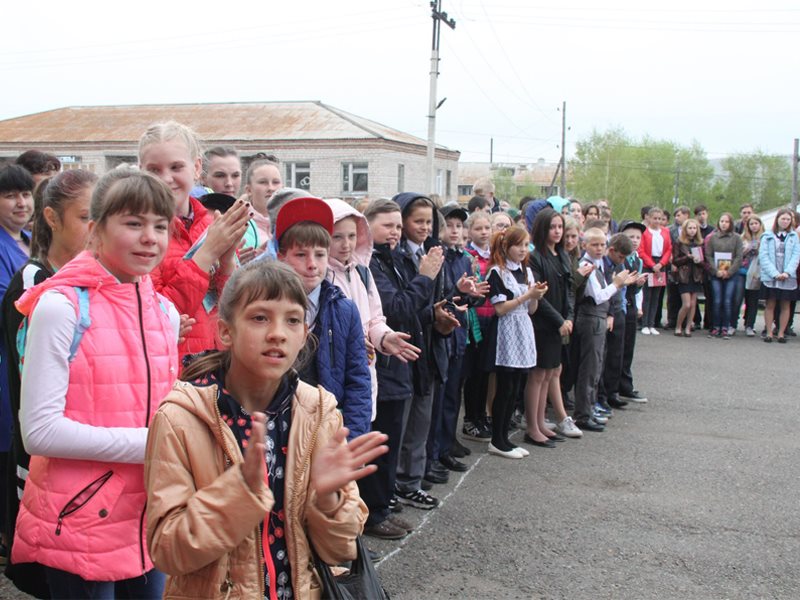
x,y
721,73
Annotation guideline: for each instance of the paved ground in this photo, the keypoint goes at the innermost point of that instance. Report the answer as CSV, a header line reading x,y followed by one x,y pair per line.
x,y
693,495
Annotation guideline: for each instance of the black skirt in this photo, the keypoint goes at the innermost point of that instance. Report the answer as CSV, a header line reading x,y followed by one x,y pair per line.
x,y
548,348
690,288
768,293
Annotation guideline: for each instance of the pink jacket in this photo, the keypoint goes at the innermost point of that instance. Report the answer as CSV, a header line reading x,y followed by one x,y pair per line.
x,y
88,517
347,278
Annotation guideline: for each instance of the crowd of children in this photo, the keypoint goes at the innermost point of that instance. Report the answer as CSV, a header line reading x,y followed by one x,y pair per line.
x,y
221,368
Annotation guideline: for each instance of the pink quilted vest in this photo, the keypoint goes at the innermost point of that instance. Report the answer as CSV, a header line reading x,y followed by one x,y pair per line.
x,y
85,517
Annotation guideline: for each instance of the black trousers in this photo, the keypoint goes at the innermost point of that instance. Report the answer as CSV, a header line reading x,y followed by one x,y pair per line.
x,y
509,383
476,385
612,365
673,304
377,489
444,416
626,386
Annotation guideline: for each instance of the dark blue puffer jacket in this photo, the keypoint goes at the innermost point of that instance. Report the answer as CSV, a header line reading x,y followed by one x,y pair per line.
x,y
341,359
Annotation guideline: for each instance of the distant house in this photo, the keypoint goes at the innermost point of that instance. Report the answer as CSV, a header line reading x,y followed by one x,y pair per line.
x,y
535,179
327,151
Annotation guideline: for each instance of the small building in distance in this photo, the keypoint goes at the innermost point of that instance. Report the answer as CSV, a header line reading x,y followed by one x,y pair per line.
x,y
327,151
512,180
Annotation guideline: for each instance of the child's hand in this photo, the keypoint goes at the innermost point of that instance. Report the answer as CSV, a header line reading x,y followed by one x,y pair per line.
x,y
466,285
621,278
370,349
610,323
247,254
585,269
639,314
565,329
224,236
431,263
657,268
641,280
185,327
336,464
632,278
254,467
395,344
444,322
481,288
537,290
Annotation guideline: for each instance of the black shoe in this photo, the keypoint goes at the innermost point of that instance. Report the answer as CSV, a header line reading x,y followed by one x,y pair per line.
x,y
395,506
436,477
436,466
590,425
617,403
453,464
374,556
459,450
556,438
425,485
529,440
781,340
790,332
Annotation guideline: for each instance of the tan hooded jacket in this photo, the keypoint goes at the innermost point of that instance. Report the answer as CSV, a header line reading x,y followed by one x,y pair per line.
x,y
203,519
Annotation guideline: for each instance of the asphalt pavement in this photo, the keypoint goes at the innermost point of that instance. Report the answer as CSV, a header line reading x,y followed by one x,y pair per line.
x,y
692,495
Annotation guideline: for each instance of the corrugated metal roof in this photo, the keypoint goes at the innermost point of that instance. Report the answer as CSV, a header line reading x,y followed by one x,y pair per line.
x,y
271,121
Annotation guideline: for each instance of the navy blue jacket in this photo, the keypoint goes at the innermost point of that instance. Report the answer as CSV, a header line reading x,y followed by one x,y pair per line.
x,y
341,359
402,300
458,262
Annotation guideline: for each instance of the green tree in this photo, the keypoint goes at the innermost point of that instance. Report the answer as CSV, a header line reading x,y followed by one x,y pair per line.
x,y
764,180
504,186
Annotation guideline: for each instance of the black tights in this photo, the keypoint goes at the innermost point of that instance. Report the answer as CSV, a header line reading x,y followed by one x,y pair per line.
x,y
509,384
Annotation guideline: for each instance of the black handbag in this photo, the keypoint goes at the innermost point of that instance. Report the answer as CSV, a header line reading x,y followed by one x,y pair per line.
x,y
360,583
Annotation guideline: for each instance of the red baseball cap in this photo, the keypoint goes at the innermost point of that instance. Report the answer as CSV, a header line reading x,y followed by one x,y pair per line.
x,y
298,210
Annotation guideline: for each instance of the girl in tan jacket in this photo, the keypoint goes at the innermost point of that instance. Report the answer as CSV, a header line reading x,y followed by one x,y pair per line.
x,y
247,466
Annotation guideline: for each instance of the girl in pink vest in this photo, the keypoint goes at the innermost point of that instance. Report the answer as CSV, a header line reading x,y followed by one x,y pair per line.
x,y
101,354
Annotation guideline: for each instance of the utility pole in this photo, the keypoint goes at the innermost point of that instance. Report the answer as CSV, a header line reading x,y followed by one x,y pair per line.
x,y
438,16
563,190
795,159
491,150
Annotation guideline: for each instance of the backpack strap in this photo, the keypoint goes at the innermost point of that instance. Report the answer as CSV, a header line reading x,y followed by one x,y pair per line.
x,y
364,274
84,321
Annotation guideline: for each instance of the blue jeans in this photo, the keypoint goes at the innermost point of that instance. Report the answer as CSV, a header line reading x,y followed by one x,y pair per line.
x,y
68,586
723,291
738,297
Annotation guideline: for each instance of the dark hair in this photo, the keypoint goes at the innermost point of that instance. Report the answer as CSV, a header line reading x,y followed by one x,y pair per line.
x,y
502,241
681,210
700,208
621,243
257,164
594,224
305,234
14,178
540,230
418,202
523,201
477,203
218,152
380,206
745,205
55,193
780,213
589,207
38,163
257,280
644,210
130,191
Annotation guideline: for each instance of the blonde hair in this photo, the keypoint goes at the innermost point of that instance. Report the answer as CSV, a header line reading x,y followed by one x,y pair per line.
x,y
593,234
168,131
684,237
478,215
746,233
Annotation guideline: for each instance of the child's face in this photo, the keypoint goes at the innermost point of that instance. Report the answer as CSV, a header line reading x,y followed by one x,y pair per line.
x,y
224,175
16,208
702,216
595,248
417,226
691,230
501,224
454,231
344,240
265,181
480,232
571,238
130,246
754,225
784,222
265,337
311,263
635,236
518,252
172,163
556,231
386,228
576,211
71,230
615,256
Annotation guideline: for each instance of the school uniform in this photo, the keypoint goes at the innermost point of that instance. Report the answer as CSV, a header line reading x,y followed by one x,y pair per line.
x,y
590,337
608,388
633,304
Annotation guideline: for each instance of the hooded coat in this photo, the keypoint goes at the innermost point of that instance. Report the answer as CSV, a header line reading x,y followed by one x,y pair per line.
x,y
350,280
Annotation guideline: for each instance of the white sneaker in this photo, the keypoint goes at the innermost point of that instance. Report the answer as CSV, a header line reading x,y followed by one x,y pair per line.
x,y
654,331
750,332
645,331
522,451
550,425
567,428
505,454
600,418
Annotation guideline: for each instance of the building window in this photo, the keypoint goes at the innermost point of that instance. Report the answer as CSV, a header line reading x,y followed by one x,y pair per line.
x,y
439,181
401,178
298,175
465,190
355,177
